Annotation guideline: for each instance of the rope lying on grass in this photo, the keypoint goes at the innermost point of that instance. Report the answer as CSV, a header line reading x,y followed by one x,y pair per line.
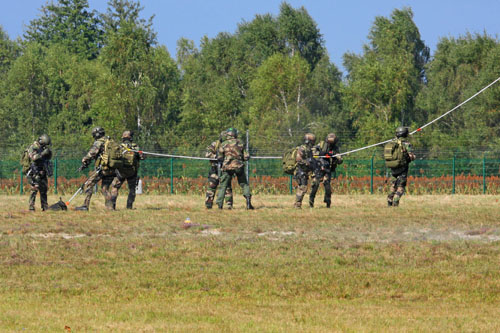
x,y
344,153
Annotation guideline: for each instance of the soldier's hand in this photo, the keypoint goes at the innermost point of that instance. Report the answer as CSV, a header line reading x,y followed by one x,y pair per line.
x,y
45,152
80,169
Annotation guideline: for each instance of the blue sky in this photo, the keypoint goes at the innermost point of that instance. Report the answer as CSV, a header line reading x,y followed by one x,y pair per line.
x,y
344,23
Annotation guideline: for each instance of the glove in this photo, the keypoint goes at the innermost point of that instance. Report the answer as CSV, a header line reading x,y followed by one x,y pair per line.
x,y
80,169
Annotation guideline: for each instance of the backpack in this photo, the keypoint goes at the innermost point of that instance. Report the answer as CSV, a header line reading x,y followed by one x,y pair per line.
x,y
112,156
25,161
289,161
394,155
129,165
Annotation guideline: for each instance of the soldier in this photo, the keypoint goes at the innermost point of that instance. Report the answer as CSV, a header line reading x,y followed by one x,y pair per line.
x,y
214,174
39,155
232,155
400,173
327,162
129,171
305,164
103,172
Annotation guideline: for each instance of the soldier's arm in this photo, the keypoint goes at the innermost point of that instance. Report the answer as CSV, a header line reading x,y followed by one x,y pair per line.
x,y
301,157
246,155
92,154
211,152
134,146
34,153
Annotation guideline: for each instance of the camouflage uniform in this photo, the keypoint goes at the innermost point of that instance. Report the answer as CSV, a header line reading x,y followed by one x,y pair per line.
x,y
213,178
400,174
233,154
304,167
106,174
37,175
127,175
325,166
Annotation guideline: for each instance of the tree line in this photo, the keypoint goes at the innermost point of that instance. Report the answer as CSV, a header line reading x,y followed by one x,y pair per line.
x,y
75,69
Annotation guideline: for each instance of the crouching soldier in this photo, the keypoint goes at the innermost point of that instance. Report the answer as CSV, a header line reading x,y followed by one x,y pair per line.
x,y
129,171
398,156
38,157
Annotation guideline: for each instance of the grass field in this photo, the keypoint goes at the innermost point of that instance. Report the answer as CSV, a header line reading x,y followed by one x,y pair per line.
x,y
430,265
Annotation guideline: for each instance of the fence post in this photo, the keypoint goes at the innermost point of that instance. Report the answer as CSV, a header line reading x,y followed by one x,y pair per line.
x,y
55,176
171,175
248,162
290,184
21,181
371,175
453,174
484,174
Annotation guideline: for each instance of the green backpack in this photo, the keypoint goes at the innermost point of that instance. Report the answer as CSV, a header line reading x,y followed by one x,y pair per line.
x,y
25,161
289,161
129,165
112,156
394,155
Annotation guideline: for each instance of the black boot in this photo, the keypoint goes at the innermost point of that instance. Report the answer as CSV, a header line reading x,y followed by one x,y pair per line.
x,y
328,204
389,203
220,205
82,208
249,202
311,203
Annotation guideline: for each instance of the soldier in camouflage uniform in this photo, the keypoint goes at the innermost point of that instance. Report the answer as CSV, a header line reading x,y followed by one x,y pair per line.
x,y
129,174
213,175
232,154
105,174
305,164
39,156
326,164
400,174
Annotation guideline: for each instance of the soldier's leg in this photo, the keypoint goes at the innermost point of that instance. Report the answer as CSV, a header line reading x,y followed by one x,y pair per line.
x,y
43,187
213,182
228,195
327,178
34,191
314,189
392,192
400,188
132,184
106,190
243,181
116,184
301,178
224,180
89,188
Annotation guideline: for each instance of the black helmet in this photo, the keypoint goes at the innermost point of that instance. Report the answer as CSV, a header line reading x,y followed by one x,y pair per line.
x,y
331,139
232,132
44,140
309,138
402,132
97,132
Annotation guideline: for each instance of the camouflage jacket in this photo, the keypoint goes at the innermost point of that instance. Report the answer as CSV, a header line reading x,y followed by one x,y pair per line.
x,y
39,155
407,149
137,156
213,151
304,157
233,154
323,149
95,152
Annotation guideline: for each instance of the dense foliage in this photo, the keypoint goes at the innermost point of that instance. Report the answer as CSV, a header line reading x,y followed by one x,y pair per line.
x,y
76,69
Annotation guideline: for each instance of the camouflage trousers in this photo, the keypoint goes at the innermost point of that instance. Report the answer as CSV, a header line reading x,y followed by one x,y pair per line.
x,y
213,182
225,181
397,189
107,179
324,177
117,183
302,177
38,183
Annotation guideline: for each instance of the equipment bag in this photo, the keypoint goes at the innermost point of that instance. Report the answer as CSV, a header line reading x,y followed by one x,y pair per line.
x,y
129,165
25,161
112,156
394,155
289,161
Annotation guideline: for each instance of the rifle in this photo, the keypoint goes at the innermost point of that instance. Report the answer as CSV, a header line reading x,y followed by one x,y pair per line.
x,y
80,189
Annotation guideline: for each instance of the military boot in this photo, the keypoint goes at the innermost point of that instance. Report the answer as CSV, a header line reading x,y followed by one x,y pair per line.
x,y
220,205
82,208
249,202
32,208
129,205
328,204
389,203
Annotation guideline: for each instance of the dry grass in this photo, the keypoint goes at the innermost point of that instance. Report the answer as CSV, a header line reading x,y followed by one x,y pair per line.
x,y
430,265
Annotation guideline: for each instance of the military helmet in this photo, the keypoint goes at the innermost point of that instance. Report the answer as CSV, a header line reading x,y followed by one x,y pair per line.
x,y
127,135
222,136
331,139
44,140
309,138
232,132
97,132
402,132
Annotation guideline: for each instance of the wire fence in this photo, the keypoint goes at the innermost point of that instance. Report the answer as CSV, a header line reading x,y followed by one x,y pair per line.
x,y
368,175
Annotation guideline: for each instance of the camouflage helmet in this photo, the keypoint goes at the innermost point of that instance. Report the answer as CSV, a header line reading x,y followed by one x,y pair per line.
x,y
97,132
232,132
331,139
402,132
309,138
127,135
44,140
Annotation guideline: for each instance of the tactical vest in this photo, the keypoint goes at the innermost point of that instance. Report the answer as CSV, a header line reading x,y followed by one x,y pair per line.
x,y
395,155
